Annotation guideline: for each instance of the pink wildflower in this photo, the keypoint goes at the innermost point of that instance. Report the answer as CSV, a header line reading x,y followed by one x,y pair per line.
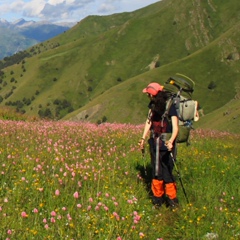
x,y
35,210
69,217
53,214
89,208
57,192
97,208
24,215
76,195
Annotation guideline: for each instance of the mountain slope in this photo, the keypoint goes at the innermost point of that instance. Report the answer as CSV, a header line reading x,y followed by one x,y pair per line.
x,y
12,42
99,67
42,32
21,34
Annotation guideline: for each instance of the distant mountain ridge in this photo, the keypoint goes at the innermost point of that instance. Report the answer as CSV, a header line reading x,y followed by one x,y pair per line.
x,y
21,34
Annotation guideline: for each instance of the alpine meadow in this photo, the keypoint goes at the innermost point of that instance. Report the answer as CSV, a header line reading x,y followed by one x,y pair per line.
x,y
72,113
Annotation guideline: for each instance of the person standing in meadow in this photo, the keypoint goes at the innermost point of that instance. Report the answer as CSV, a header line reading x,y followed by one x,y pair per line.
x,y
163,130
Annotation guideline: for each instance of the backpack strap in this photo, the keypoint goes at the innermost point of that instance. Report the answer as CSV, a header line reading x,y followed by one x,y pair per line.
x,y
174,99
177,100
168,106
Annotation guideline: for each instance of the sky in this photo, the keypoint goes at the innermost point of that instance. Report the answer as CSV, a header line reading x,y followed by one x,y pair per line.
x,y
65,10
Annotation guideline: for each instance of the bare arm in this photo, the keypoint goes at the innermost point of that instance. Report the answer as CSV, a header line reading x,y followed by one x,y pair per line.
x,y
169,143
146,130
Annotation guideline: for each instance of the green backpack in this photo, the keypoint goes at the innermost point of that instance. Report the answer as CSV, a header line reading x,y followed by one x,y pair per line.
x,y
181,88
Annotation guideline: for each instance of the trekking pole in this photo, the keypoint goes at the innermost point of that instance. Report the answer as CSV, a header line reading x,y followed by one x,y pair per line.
x,y
144,161
179,176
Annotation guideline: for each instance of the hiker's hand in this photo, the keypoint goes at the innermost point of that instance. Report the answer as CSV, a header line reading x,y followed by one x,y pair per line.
x,y
141,143
169,145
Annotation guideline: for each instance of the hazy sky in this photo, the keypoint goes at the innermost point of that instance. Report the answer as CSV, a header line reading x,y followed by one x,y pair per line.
x,y
65,10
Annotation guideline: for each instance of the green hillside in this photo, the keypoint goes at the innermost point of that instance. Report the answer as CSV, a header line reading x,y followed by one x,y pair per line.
x,y
97,69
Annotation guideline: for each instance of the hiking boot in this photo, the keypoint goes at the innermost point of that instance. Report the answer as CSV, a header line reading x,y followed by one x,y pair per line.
x,y
172,203
157,201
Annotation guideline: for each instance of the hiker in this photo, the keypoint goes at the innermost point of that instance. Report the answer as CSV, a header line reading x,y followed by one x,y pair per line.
x,y
163,132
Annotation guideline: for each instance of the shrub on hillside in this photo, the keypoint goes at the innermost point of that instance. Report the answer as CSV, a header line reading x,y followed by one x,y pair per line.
x,y
157,64
212,85
47,113
7,95
90,89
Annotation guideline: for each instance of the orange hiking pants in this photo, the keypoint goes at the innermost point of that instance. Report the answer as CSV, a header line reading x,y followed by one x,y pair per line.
x,y
163,181
159,189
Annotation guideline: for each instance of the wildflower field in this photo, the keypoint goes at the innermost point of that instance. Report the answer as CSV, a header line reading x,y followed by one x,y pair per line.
x,y
68,180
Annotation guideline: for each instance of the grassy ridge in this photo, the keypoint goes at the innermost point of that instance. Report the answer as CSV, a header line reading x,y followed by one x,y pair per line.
x,y
65,180
101,65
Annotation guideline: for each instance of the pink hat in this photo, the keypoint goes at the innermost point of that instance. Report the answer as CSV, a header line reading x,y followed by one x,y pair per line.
x,y
153,88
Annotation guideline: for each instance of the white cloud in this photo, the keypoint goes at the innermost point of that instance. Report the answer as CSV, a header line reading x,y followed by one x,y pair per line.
x,y
33,8
106,8
63,9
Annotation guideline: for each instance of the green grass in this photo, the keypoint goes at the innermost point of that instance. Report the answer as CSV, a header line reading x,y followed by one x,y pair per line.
x,y
189,38
68,180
